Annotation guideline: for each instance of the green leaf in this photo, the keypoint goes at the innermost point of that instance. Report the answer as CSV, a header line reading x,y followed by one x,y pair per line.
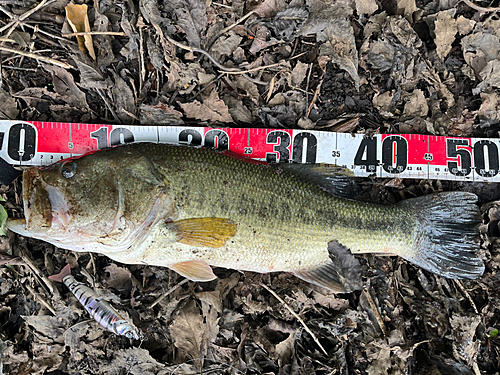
x,y
3,220
493,333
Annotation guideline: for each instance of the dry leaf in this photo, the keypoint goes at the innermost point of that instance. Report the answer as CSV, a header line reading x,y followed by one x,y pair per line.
x,y
160,114
323,13
267,8
479,49
64,85
123,100
79,21
465,348
238,111
119,278
212,109
406,8
187,332
298,74
191,17
490,76
366,7
445,28
225,45
465,25
416,104
341,47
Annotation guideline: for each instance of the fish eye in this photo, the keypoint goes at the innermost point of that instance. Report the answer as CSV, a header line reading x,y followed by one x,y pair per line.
x,y
68,169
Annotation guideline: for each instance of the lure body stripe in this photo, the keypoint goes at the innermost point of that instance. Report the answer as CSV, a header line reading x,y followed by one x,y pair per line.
x,y
100,310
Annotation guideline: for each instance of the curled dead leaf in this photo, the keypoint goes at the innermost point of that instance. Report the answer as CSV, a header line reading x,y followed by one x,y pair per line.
x,y
79,21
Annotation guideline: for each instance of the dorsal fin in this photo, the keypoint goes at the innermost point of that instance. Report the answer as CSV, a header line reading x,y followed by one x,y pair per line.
x,y
332,178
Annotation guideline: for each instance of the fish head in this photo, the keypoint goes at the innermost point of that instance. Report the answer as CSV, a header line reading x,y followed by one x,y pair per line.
x,y
104,197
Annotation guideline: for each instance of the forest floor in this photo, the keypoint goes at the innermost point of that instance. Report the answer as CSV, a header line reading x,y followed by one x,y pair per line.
x,y
358,66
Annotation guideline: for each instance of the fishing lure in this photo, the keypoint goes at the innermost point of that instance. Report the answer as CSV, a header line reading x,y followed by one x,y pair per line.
x,y
100,310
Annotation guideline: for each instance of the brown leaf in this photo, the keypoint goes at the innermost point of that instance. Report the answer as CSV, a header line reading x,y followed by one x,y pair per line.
x,y
187,332
119,278
269,7
298,74
341,47
64,85
212,109
445,30
366,7
191,18
160,114
123,100
79,21
416,104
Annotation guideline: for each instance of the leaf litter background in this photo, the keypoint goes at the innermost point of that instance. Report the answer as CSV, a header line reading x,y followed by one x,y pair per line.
x,y
426,67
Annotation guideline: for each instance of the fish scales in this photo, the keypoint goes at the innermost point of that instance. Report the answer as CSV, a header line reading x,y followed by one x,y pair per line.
x,y
190,208
296,215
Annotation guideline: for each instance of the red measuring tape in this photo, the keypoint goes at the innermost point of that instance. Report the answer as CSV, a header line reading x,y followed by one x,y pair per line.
x,y
384,155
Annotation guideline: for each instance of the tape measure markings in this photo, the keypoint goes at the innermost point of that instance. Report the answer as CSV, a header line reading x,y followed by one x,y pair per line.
x,y
385,155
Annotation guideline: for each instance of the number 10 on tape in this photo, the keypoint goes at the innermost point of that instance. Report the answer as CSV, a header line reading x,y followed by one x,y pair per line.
x,y
384,155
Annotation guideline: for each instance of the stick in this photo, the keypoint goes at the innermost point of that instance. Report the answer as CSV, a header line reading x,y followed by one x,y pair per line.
x,y
117,33
296,317
467,295
37,57
481,9
168,292
41,299
375,311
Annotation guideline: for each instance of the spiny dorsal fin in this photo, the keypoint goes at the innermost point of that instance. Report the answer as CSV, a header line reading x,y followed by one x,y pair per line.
x,y
204,232
334,179
195,270
340,274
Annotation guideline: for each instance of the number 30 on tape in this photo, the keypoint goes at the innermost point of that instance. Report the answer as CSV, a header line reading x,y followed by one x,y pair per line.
x,y
384,155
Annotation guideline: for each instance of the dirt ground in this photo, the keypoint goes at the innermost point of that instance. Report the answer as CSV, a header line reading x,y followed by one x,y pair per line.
x,y
360,66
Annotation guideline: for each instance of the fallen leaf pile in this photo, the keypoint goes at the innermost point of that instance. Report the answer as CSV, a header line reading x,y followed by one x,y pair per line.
x,y
359,66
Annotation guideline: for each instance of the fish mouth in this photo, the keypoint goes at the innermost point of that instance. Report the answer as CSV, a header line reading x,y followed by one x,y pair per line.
x,y
45,206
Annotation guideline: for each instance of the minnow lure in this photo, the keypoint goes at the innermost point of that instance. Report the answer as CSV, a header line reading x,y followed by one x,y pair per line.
x,y
100,310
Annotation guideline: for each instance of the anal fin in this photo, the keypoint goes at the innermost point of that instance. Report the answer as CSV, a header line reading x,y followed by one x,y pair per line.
x,y
205,231
195,270
340,274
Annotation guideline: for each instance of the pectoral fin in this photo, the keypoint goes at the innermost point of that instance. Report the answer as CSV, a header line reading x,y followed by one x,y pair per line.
x,y
204,232
341,273
195,270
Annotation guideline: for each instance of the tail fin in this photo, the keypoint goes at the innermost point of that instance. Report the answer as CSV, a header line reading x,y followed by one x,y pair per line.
x,y
445,243
61,275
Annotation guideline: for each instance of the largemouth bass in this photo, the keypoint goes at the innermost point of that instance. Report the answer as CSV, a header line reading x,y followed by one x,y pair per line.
x,y
191,208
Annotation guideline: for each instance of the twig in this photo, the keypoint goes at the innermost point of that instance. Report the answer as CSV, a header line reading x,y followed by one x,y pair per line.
x,y
316,93
37,57
17,20
375,311
222,67
296,317
41,299
39,274
171,290
103,97
80,33
481,9
467,295
307,83
230,27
